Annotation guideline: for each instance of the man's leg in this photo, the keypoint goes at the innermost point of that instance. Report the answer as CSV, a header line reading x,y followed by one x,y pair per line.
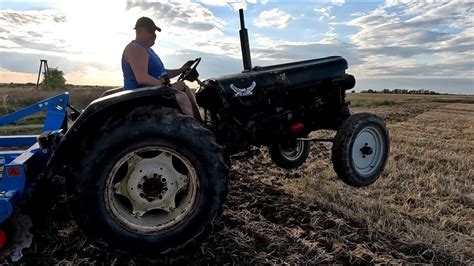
x,y
194,105
184,103
180,86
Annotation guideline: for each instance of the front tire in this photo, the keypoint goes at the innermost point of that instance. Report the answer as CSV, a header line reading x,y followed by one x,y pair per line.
x,y
154,181
360,150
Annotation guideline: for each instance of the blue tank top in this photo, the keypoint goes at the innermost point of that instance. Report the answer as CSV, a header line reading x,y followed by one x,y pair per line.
x,y
156,69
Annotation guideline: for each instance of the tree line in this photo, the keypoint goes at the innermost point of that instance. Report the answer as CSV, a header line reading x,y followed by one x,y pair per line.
x,y
402,91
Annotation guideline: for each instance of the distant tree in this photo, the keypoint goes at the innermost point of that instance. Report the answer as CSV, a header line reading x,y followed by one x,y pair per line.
x,y
54,79
401,91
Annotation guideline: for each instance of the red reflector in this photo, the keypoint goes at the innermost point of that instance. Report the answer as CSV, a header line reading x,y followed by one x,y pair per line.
x,y
13,171
297,128
3,239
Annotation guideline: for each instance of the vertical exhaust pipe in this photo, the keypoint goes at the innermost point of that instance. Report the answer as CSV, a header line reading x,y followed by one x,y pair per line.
x,y
244,43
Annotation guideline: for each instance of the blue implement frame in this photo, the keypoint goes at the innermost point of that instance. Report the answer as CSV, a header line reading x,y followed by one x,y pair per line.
x,y
17,164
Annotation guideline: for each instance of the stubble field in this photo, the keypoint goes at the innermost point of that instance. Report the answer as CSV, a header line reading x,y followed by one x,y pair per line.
x,y
420,210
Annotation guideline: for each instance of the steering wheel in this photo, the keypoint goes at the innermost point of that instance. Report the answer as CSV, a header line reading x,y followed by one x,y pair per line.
x,y
191,74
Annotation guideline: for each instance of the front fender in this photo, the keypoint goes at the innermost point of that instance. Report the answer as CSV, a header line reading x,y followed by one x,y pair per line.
x,y
97,113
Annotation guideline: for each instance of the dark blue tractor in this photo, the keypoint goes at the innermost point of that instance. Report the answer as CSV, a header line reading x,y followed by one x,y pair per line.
x,y
143,176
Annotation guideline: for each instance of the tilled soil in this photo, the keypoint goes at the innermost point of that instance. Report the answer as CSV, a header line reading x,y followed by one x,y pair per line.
x,y
261,223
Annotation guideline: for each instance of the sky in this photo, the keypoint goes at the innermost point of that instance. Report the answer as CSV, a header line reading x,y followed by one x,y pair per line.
x,y
388,45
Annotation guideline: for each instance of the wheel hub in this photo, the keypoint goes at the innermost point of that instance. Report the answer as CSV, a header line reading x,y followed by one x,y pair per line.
x,y
145,193
151,189
367,151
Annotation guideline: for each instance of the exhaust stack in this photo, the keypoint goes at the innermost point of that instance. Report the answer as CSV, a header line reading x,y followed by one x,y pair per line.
x,y
244,43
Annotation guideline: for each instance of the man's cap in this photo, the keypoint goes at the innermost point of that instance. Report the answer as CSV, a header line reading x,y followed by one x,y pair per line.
x,y
145,22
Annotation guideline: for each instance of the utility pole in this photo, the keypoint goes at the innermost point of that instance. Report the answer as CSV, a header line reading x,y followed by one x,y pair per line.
x,y
46,72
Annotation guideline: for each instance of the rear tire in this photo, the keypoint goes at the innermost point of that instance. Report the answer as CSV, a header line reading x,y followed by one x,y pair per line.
x,y
154,181
360,150
289,156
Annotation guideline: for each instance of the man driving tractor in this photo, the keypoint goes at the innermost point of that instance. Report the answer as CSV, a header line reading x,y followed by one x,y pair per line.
x,y
142,67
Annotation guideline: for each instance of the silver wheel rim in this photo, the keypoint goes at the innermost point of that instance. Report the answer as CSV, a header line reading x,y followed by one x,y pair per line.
x,y
292,153
151,189
368,151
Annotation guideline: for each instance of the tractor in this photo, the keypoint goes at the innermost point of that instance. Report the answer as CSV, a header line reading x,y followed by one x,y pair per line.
x,y
142,176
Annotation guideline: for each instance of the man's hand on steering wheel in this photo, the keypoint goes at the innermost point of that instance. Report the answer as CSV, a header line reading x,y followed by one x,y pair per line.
x,y
190,71
186,66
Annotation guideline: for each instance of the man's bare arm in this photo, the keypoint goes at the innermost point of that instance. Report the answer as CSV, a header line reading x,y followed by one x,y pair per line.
x,y
174,72
137,57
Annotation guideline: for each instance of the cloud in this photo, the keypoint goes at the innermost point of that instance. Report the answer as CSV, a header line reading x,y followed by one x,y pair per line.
x,y
30,17
442,66
234,4
269,51
400,31
325,12
184,15
32,30
215,2
273,18
381,28
241,4
338,2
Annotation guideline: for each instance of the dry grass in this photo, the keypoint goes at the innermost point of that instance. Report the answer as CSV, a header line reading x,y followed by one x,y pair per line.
x,y
422,206
12,99
420,210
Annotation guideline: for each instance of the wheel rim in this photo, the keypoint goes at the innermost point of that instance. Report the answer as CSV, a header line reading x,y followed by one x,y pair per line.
x,y
292,153
151,189
368,151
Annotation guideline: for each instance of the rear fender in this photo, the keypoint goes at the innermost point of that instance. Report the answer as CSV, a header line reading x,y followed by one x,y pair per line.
x,y
97,113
